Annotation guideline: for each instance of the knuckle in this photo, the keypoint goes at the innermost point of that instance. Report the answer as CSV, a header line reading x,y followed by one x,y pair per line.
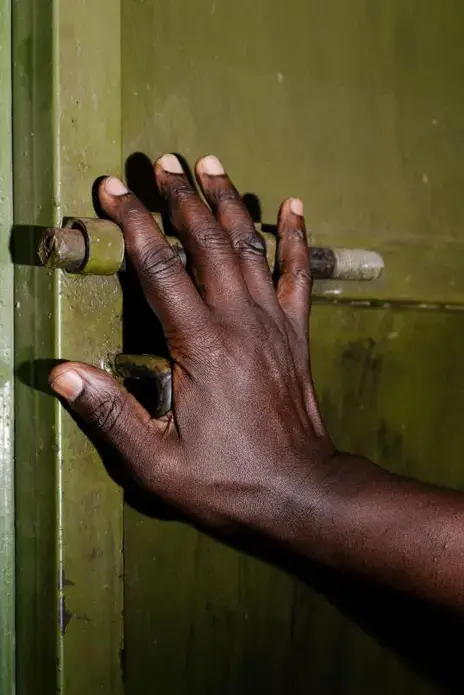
x,y
209,236
247,243
295,235
301,276
299,235
160,261
109,413
180,190
228,195
136,215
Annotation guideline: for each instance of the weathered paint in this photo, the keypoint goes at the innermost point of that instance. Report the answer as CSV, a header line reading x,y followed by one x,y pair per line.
x,y
358,108
69,513
7,670
35,479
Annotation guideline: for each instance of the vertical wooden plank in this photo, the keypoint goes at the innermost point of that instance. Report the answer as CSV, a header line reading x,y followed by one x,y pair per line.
x,y
35,442
7,629
88,329
69,520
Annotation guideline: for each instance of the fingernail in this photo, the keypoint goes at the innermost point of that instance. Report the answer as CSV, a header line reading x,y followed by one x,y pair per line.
x,y
68,385
171,164
296,206
114,186
212,166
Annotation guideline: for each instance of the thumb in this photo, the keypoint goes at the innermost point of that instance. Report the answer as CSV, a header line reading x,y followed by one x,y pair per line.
x,y
109,408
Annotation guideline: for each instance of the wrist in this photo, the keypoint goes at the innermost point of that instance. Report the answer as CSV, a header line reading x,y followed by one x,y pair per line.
x,y
320,519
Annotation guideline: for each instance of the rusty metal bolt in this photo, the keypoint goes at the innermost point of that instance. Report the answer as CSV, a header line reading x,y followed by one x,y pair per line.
x,y
92,246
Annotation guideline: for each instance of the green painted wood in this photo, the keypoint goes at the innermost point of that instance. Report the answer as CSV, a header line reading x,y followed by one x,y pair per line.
x,y
7,670
358,108
355,107
89,328
69,511
36,524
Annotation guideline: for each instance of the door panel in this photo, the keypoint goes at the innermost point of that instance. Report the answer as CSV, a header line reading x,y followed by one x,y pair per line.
x,y
358,108
203,618
69,510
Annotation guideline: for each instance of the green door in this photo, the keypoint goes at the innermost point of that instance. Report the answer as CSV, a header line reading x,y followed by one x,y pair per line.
x,y
357,107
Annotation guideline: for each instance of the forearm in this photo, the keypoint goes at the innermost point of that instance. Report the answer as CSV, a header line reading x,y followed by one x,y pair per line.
x,y
396,531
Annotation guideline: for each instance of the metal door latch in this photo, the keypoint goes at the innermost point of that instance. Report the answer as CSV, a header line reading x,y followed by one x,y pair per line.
x,y
96,247
90,246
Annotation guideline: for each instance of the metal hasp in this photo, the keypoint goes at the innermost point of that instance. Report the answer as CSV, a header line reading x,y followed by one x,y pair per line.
x,y
96,247
151,372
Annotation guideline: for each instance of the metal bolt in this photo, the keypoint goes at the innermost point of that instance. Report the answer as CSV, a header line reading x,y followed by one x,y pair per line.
x,y
62,248
92,246
150,371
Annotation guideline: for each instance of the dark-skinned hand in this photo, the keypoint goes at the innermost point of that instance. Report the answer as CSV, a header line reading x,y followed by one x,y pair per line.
x,y
244,447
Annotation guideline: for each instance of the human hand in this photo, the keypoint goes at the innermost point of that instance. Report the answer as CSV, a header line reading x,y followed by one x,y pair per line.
x,y
244,446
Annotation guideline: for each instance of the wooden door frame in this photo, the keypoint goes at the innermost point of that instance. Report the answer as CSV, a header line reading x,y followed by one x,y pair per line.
x,y
7,551
69,578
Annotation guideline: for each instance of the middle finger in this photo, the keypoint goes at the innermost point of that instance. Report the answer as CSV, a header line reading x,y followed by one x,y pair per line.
x,y
209,251
233,216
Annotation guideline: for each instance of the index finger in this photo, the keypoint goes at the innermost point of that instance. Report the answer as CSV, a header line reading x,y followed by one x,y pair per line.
x,y
166,285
